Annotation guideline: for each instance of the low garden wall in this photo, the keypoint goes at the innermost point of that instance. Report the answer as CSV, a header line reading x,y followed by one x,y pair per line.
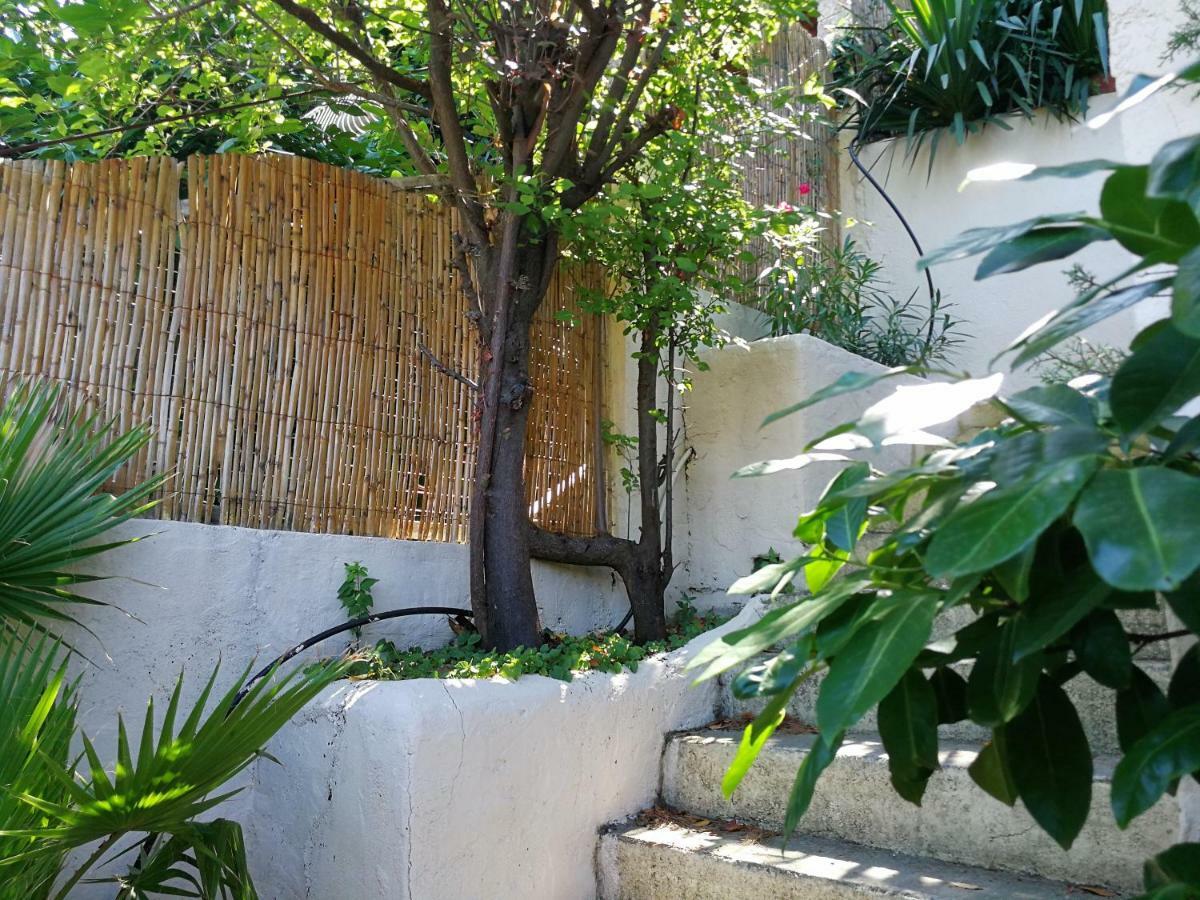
x,y
453,789
194,594
731,520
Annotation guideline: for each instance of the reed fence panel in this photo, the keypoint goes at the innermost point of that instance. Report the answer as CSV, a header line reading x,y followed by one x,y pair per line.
x,y
276,338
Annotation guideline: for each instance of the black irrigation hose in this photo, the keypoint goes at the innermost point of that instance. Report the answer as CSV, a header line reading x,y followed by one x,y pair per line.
x,y
346,626
912,235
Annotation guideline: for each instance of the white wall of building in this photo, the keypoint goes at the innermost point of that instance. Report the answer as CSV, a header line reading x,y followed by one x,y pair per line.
x,y
997,310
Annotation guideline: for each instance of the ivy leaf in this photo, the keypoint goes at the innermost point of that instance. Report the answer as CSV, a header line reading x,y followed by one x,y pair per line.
x,y
988,531
1140,708
874,658
1141,527
990,772
908,720
1170,751
1050,762
1161,376
822,752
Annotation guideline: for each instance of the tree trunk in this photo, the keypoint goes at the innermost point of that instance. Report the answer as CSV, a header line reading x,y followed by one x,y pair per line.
x,y
644,565
502,594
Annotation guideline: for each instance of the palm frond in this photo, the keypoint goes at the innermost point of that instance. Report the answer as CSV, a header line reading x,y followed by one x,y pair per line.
x,y
54,464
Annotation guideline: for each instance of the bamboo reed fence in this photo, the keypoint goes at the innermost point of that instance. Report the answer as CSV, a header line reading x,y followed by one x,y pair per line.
x,y
272,338
800,172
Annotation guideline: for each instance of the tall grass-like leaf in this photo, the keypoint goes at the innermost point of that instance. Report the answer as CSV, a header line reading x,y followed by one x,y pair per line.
x,y
54,465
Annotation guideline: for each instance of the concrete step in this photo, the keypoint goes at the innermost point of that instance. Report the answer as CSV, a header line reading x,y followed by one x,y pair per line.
x,y
957,822
1094,702
653,863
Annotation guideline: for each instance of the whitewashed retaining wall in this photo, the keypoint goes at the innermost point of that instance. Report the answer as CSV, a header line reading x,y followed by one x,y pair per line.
x,y
444,790
209,592
731,520
998,309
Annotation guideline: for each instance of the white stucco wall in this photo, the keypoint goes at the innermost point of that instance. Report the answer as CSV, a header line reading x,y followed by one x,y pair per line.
x,y
997,310
444,790
732,520
209,592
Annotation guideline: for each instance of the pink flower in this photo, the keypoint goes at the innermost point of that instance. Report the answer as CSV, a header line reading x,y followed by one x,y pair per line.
x,y
786,207
804,188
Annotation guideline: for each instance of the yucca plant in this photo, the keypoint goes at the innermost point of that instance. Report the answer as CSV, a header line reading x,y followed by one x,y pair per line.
x,y
958,65
177,773
54,464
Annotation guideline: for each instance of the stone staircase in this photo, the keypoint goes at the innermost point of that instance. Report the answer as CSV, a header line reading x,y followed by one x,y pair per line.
x,y
860,838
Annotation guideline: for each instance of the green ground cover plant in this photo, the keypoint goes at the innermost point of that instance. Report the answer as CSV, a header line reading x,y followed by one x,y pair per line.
x,y
560,656
1082,503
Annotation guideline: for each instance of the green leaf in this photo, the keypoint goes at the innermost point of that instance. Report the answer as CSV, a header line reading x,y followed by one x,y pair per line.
x,y
1039,246
908,720
1054,607
1019,457
979,240
999,688
1185,294
846,383
1170,751
1185,603
845,523
754,738
1161,376
773,676
989,530
1184,689
1073,319
822,752
874,659
904,416
1053,404
1102,648
1141,527
950,690
1147,225
777,628
790,464
1051,764
1140,707
1175,172
990,772
1180,863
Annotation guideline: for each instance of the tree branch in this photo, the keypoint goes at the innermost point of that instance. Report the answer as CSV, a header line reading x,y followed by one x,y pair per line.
x,y
343,41
446,370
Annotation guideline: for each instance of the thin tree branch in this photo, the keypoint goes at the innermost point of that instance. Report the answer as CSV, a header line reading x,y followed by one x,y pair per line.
x,y
446,370
343,41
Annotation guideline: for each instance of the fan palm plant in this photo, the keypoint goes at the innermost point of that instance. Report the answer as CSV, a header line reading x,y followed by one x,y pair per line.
x,y
51,806
54,464
54,511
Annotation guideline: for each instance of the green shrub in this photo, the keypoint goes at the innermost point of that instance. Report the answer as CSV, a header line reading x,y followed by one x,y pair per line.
x,y
838,294
1084,502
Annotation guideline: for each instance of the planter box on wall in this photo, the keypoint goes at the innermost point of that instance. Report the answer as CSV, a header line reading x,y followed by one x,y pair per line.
x,y
454,789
